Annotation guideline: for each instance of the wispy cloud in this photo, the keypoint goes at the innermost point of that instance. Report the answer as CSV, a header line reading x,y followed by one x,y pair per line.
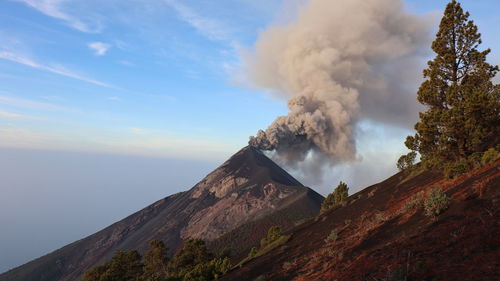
x,y
114,98
99,48
126,63
54,8
54,69
52,98
11,115
25,103
210,28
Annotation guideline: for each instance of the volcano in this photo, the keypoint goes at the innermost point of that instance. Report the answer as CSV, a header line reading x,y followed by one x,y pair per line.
x,y
232,207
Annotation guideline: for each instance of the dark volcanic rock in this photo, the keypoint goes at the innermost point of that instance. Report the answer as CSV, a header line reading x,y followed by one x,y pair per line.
x,y
249,191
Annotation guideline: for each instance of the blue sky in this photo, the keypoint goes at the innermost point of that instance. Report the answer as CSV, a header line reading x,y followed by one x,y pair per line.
x,y
103,97
154,78
146,77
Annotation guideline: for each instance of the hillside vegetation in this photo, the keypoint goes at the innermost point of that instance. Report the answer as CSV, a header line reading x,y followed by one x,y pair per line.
x,y
386,232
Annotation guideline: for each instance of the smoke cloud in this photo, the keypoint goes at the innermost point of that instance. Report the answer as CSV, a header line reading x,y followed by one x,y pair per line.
x,y
338,62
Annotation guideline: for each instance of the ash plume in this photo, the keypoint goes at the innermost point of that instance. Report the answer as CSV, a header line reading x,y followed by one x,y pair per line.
x,y
338,62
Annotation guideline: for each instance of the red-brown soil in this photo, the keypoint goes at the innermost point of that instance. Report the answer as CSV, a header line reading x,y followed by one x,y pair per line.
x,y
381,236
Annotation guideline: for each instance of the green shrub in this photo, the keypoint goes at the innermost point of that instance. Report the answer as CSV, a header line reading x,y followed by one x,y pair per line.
x,y
221,266
193,252
155,260
414,202
332,237
489,156
278,242
333,253
436,202
337,197
126,266
407,162
380,217
475,159
456,168
273,239
192,263
273,234
252,253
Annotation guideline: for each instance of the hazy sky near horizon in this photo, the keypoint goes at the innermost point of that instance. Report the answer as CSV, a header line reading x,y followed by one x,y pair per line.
x,y
52,198
142,98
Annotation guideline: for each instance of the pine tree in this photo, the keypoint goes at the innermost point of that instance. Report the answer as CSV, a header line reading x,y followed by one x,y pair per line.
x,y
123,266
155,261
193,252
407,162
337,197
341,192
462,116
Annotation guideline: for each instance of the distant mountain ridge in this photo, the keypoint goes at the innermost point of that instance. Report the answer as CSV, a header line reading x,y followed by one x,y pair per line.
x,y
241,194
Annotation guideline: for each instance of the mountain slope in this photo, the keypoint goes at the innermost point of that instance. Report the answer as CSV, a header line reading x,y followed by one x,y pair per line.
x,y
384,234
247,188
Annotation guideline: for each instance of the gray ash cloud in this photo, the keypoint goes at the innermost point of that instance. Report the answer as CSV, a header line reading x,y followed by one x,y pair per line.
x,y
337,63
